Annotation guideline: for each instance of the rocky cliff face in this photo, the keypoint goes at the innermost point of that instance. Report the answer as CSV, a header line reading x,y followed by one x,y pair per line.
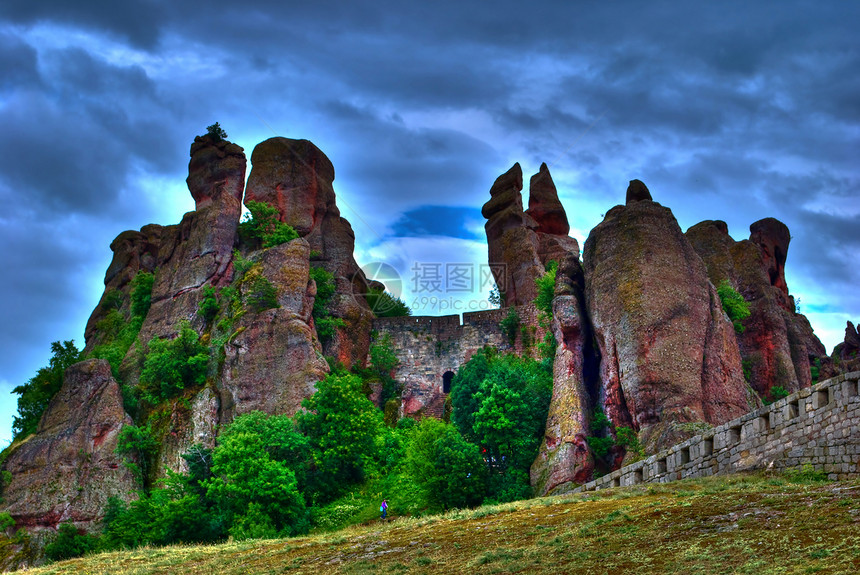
x,y
296,177
564,458
67,471
777,345
668,355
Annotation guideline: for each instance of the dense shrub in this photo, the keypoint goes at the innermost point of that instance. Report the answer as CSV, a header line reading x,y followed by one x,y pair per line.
x,y
734,304
137,445
141,294
171,365
342,426
546,288
510,326
70,542
384,304
261,226
324,322
208,307
449,469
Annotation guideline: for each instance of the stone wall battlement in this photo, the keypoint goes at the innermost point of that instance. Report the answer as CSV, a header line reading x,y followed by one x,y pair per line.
x,y
429,347
817,426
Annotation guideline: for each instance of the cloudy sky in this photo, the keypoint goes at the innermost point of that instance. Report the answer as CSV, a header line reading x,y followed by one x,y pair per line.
x,y
725,110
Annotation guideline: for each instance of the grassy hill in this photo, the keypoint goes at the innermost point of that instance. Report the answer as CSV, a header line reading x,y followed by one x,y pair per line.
x,y
739,524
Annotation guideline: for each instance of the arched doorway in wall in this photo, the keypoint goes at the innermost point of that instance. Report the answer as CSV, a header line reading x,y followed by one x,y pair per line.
x,y
446,381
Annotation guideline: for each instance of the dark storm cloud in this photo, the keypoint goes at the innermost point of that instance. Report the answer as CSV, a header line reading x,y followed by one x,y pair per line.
x,y
136,21
731,110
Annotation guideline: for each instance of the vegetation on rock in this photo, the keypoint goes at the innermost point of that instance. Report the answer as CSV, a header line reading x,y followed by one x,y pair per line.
x,y
323,320
734,304
261,226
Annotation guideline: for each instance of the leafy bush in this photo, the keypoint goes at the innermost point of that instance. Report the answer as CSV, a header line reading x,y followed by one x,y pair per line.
x,y
112,299
324,322
208,307
141,293
384,304
137,445
777,392
546,288
170,366
815,370
449,469
382,355
41,388
510,325
259,293
260,491
262,226
734,304
70,542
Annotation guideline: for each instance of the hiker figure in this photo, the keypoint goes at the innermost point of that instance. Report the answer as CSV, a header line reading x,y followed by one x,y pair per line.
x,y
384,508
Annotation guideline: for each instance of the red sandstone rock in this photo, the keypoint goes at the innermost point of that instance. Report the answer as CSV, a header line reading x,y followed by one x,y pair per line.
x,y
564,460
275,361
667,355
67,471
777,345
544,205
511,240
217,167
296,177
637,192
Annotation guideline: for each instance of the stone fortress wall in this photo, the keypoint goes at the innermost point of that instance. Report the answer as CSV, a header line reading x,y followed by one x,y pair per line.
x,y
430,347
817,426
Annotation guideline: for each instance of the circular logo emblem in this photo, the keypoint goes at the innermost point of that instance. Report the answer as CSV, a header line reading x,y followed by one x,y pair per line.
x,y
381,273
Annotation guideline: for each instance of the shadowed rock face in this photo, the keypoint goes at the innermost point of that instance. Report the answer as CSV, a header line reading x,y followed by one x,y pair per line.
x,y
777,345
217,167
668,354
564,459
521,244
72,448
511,240
296,177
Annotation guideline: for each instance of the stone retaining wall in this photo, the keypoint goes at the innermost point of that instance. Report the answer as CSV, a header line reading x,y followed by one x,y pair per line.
x,y
817,426
429,347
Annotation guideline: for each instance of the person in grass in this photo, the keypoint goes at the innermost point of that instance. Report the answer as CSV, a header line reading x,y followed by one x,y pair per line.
x,y
384,509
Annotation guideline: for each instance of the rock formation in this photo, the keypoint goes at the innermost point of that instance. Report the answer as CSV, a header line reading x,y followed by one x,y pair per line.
x,y
668,354
511,240
296,177
847,353
564,459
777,345
67,471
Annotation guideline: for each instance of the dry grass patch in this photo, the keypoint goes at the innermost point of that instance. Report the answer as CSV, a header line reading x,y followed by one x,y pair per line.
x,y
738,524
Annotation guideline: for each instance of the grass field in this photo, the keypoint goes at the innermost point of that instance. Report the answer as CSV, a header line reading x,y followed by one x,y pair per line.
x,y
737,524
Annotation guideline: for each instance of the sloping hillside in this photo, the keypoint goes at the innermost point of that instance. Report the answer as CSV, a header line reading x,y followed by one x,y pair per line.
x,y
739,524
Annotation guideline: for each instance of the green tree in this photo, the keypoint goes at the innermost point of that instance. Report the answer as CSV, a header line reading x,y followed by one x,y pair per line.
x,y
262,227
172,365
342,426
260,492
734,304
41,388
216,131
137,445
510,326
448,468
